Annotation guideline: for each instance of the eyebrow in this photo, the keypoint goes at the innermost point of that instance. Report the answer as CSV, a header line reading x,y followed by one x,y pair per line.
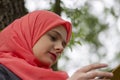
x,y
60,36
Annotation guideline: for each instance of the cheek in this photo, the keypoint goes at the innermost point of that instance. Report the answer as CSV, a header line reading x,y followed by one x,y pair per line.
x,y
36,51
41,49
42,46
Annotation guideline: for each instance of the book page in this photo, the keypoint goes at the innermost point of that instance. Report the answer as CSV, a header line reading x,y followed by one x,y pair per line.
x,y
116,73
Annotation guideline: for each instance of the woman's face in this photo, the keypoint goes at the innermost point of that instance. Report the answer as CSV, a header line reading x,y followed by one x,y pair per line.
x,y
49,47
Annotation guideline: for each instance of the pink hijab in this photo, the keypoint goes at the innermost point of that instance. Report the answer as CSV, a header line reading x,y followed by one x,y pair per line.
x,y
17,40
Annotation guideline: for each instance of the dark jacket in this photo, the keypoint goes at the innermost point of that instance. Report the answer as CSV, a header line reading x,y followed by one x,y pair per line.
x,y
6,74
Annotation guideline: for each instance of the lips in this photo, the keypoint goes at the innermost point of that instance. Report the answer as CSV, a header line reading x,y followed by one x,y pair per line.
x,y
53,56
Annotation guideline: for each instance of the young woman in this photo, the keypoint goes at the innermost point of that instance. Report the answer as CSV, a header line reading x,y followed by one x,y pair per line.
x,y
32,44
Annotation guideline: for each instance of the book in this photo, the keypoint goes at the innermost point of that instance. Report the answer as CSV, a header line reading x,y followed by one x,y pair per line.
x,y
116,73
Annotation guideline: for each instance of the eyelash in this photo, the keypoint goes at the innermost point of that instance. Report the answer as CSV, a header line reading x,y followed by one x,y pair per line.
x,y
53,38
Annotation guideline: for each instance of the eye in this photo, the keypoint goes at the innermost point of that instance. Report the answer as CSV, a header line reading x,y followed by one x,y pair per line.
x,y
52,37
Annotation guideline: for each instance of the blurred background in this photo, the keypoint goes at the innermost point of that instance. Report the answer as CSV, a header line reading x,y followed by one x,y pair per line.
x,y
95,23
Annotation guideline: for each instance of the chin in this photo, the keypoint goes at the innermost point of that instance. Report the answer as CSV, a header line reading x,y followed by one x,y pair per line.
x,y
51,63
48,63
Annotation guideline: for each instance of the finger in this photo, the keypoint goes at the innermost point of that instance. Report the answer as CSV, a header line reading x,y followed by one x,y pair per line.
x,y
94,74
92,67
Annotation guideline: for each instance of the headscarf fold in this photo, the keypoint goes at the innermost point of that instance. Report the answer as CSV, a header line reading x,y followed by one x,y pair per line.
x,y
18,39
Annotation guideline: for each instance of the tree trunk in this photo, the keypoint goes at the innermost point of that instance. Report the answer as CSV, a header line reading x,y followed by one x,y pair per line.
x,y
10,10
57,7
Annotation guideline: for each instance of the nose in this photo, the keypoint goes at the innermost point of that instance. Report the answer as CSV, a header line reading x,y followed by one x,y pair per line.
x,y
59,47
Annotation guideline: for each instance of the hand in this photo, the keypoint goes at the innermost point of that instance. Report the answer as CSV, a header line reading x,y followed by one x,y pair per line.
x,y
89,73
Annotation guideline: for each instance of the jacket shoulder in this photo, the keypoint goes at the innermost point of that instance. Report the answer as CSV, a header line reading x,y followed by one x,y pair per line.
x,y
6,74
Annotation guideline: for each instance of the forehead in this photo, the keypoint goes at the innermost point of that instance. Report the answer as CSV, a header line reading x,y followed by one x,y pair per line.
x,y
59,29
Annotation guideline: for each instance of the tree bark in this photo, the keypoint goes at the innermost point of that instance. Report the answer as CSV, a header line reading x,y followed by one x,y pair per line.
x,y
57,7
10,10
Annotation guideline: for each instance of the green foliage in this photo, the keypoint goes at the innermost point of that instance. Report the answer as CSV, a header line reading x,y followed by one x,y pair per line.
x,y
117,57
85,25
